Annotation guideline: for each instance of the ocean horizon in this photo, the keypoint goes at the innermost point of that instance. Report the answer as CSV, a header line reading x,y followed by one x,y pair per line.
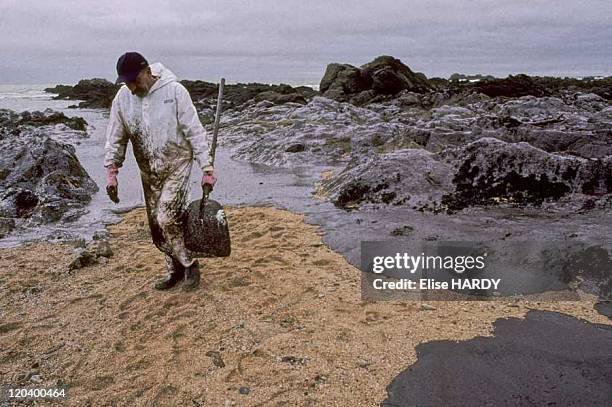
x,y
34,90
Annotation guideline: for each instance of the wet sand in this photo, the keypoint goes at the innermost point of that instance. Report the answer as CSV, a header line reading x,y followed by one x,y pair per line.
x,y
282,317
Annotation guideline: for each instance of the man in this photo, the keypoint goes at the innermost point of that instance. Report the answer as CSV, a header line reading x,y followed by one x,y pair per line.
x,y
155,112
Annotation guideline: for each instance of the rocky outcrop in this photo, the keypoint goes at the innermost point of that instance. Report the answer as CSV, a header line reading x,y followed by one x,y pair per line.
x,y
578,124
485,172
51,117
342,80
490,171
322,132
204,94
524,85
99,93
42,180
13,123
600,86
410,177
373,81
512,86
279,98
390,76
93,93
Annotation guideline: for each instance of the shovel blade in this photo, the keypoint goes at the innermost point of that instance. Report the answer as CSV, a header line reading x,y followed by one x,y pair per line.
x,y
207,236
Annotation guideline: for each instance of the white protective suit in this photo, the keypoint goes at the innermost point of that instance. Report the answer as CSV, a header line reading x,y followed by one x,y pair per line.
x,y
166,135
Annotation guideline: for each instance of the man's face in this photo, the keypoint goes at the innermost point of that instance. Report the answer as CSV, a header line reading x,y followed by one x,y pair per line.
x,y
141,85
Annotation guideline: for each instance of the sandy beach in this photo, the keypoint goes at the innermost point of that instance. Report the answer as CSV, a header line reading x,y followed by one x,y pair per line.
x,y
280,322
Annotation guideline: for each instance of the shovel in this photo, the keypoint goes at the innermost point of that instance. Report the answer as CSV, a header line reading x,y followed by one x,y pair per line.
x,y
206,231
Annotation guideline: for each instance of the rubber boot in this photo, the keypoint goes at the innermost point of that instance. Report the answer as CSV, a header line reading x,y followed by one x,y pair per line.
x,y
176,273
192,276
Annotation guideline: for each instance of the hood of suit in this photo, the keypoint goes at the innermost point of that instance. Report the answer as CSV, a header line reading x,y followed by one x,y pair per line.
x,y
165,75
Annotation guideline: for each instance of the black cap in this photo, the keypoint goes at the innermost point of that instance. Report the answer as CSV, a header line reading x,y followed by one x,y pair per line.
x,y
129,66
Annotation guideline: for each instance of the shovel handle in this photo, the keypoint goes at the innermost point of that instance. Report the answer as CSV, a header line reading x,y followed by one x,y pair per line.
x,y
206,190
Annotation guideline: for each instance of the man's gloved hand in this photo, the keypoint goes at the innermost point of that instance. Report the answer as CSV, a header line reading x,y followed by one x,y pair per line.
x,y
209,178
111,183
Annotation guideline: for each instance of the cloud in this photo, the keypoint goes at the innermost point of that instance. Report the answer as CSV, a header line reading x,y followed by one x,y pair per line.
x,y
287,40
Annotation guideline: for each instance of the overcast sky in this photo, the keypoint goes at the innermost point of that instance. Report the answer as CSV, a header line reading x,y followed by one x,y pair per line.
x,y
62,41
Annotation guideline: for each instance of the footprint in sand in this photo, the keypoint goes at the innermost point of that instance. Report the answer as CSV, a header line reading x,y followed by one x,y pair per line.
x,y
321,262
261,261
171,302
8,327
101,382
138,365
278,259
123,305
119,346
372,316
253,235
276,228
